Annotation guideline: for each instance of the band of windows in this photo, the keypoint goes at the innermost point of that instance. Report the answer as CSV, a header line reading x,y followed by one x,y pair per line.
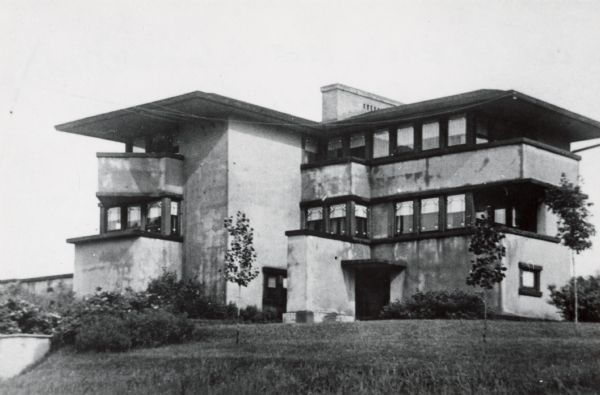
x,y
144,216
404,138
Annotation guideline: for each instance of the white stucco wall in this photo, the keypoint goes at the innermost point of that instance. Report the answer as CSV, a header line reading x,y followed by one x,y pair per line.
x,y
19,351
264,183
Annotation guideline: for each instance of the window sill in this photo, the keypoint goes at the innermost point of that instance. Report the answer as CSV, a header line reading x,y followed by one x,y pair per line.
x,y
123,234
323,235
530,292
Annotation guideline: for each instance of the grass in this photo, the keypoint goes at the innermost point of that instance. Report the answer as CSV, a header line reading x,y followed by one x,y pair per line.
x,y
441,357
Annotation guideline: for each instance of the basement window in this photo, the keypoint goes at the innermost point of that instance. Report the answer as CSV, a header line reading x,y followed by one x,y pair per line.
x,y
529,279
113,219
314,219
404,217
337,219
431,135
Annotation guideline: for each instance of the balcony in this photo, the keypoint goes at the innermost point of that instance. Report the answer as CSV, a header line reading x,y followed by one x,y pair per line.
x,y
139,174
500,161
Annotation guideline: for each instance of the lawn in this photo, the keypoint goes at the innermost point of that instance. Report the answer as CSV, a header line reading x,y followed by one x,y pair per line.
x,y
364,357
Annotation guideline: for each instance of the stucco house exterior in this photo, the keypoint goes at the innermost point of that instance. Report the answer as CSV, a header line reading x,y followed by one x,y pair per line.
x,y
370,205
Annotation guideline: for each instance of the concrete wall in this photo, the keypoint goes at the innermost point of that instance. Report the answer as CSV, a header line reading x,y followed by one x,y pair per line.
x,y
120,263
264,183
17,352
205,147
341,101
432,264
41,286
139,174
316,281
335,180
546,166
555,262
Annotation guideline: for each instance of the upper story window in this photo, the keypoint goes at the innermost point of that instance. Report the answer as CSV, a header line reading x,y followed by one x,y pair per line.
x,y
311,150
455,211
314,218
405,139
337,219
430,209
381,143
361,214
358,145
431,135
457,131
335,148
404,214
113,218
153,218
481,130
134,217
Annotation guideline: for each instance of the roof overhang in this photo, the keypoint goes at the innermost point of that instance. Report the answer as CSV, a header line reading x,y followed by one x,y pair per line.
x,y
166,115
380,264
510,104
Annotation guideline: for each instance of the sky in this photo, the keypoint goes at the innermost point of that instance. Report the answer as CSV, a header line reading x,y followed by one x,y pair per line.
x,y
64,60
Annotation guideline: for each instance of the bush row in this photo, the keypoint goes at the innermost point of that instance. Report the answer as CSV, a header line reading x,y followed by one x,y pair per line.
x,y
436,304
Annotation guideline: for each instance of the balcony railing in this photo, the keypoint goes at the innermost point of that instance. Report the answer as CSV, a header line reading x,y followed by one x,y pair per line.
x,y
139,174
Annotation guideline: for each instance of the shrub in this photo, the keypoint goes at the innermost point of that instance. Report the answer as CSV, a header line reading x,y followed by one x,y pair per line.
x,y
187,296
102,332
436,304
253,314
588,292
20,316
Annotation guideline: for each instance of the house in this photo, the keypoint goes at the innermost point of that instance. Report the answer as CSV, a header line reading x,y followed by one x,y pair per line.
x,y
373,204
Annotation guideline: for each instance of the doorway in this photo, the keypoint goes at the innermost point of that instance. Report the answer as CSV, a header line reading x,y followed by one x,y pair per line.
x,y
372,292
275,289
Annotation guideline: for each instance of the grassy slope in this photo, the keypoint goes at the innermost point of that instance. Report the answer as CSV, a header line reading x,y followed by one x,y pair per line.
x,y
371,357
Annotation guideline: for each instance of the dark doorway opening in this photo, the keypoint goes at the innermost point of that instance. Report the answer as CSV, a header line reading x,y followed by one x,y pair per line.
x,y
275,289
372,292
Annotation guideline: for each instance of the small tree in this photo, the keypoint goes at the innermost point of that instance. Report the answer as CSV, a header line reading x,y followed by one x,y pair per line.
x,y
240,256
487,268
570,204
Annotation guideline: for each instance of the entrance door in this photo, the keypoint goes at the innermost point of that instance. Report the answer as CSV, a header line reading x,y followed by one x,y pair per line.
x,y
275,289
372,292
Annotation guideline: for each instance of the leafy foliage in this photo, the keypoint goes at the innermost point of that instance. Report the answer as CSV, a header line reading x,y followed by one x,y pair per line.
x,y
20,316
588,292
186,296
570,204
486,243
240,255
253,314
436,304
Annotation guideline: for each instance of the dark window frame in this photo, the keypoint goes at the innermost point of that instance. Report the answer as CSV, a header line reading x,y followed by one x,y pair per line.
x,y
534,291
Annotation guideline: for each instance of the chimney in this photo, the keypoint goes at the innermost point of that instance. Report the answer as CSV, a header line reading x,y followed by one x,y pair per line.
x,y
342,101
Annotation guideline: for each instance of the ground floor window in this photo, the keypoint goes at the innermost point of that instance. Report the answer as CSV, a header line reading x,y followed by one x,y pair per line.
x,y
455,211
146,216
154,217
314,218
430,214
529,279
361,214
337,219
113,218
404,213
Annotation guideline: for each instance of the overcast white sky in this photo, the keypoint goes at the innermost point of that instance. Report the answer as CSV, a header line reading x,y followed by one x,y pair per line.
x,y
64,60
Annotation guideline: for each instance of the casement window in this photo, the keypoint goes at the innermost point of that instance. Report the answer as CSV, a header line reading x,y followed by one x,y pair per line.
x,y
153,217
361,215
405,139
455,211
175,211
430,209
134,217
335,148
358,146
337,219
457,131
529,279
113,219
311,150
314,218
381,143
431,135
481,130
404,213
